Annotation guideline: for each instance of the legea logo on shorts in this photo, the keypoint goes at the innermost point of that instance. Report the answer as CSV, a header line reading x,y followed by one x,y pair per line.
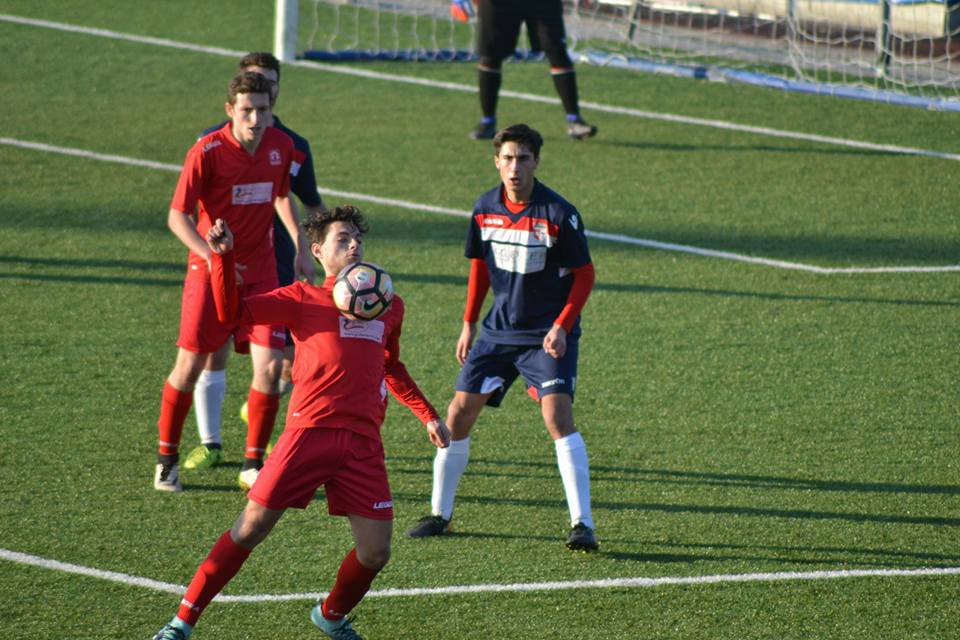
x,y
551,383
383,504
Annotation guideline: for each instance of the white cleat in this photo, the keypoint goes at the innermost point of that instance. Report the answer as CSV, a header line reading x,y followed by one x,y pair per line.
x,y
167,478
247,478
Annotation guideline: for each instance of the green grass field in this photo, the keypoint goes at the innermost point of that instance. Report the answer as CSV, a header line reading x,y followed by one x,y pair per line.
x,y
740,418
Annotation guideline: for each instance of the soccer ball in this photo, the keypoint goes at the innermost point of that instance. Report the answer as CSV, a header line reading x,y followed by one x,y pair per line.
x,y
362,291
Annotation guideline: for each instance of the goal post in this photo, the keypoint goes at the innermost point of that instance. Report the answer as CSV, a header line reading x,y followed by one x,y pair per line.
x,y
898,51
286,24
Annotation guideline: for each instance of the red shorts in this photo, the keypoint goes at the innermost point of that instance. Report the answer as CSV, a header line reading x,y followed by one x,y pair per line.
x,y
349,466
201,332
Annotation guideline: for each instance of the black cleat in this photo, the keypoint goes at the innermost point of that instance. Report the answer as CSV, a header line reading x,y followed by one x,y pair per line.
x,y
429,526
581,538
578,129
484,131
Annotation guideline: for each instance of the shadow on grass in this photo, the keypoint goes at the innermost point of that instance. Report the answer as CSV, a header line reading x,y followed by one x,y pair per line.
x,y
608,473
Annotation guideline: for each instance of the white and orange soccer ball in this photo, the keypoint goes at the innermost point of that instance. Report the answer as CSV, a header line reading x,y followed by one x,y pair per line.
x,y
363,291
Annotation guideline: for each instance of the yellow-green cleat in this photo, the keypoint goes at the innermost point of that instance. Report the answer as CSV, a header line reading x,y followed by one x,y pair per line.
x,y
203,457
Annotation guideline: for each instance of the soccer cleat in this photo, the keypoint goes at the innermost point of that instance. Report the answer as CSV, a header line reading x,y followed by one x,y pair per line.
x,y
578,129
337,629
247,477
203,457
169,632
429,526
484,131
167,477
581,538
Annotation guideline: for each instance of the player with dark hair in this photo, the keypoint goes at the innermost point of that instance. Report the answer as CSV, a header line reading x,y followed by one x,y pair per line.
x,y
342,371
527,244
497,33
211,386
240,173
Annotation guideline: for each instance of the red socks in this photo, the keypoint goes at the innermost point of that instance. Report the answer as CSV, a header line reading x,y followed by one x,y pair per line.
x,y
174,407
353,582
261,414
222,563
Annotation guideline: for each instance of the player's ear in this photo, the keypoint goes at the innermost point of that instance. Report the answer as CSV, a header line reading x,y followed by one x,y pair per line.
x,y
317,250
229,109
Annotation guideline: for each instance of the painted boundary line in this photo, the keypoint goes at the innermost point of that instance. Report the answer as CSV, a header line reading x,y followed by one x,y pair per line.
x,y
415,206
454,86
524,587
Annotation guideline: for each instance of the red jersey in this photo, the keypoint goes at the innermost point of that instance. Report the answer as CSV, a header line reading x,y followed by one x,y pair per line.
x,y
227,182
342,368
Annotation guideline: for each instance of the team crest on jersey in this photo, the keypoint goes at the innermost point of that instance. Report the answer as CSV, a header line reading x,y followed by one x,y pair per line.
x,y
275,158
540,231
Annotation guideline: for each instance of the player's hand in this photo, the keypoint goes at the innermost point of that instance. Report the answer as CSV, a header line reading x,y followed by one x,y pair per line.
x,y
465,341
219,237
555,342
439,433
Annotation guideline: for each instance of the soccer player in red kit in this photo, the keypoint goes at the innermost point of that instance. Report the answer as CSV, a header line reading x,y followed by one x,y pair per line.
x,y
239,173
342,370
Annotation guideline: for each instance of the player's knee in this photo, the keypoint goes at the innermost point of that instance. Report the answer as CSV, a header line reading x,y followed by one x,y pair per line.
x,y
249,532
559,58
490,63
375,557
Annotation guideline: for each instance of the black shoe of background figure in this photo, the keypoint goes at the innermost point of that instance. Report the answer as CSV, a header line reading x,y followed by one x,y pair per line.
x,y
429,526
578,129
484,131
581,538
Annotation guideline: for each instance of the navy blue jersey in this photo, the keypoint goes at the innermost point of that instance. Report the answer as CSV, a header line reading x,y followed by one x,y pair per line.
x,y
303,183
529,256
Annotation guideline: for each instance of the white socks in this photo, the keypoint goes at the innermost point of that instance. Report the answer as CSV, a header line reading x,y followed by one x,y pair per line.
x,y
448,466
575,473
208,396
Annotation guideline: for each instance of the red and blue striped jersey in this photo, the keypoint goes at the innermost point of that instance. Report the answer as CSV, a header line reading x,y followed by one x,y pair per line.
x,y
529,256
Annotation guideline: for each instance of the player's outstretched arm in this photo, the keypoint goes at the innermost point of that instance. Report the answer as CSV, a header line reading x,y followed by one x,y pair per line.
x,y
223,271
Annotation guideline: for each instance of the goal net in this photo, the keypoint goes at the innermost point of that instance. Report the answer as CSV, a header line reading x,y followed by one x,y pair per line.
x,y
904,51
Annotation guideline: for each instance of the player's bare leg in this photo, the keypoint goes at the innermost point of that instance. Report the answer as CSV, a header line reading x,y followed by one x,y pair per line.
x,y
263,402
174,406
574,465
361,565
450,463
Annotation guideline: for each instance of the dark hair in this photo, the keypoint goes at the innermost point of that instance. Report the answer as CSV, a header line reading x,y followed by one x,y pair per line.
x,y
247,82
318,224
522,135
263,59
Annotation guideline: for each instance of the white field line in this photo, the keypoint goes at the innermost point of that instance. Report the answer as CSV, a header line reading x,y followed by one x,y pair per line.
x,y
453,86
415,206
609,583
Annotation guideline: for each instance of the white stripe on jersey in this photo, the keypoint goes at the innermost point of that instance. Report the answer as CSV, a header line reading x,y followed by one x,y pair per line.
x,y
539,237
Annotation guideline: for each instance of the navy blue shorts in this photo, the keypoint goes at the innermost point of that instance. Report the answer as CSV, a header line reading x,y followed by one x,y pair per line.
x,y
494,367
